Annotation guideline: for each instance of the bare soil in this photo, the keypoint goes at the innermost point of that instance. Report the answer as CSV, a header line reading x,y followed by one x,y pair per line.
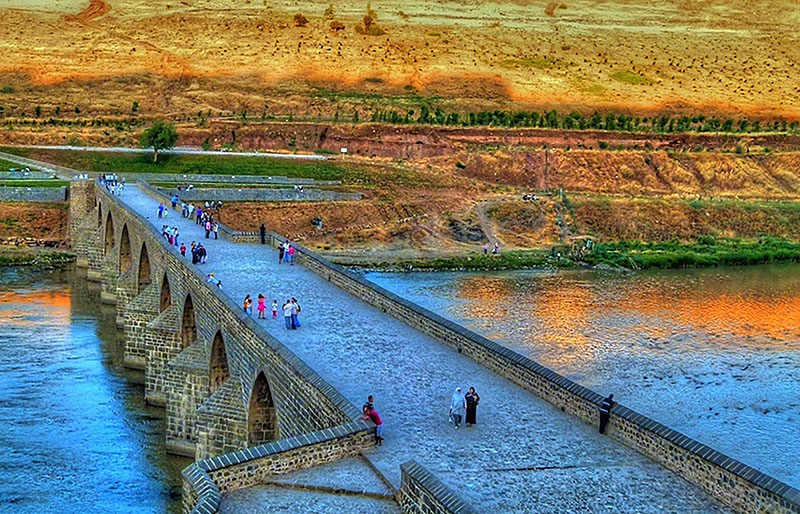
x,y
181,57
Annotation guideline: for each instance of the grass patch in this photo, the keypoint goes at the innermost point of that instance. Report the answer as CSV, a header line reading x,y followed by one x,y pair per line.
x,y
629,77
126,163
7,165
475,261
33,183
706,252
21,257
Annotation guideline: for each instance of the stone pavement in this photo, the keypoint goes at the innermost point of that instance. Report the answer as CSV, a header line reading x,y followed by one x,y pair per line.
x,y
524,455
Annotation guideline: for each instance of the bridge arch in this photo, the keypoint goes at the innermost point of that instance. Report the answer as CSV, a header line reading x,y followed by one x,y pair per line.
x,y
125,258
144,269
262,422
165,299
109,235
218,364
188,323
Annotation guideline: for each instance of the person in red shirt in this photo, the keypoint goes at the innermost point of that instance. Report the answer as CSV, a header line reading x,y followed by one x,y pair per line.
x,y
372,415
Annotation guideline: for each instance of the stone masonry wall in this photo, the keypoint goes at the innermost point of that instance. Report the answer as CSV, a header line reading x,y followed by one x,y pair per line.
x,y
205,481
422,493
177,376
33,194
730,481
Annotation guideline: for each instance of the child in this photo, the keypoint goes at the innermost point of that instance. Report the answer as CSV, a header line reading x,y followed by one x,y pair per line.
x,y
261,307
183,249
274,309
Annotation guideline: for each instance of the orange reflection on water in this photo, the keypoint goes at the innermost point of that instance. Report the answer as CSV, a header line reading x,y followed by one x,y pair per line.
x,y
55,304
589,313
744,315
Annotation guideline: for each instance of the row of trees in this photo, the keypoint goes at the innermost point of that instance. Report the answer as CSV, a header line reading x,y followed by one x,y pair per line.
x,y
577,121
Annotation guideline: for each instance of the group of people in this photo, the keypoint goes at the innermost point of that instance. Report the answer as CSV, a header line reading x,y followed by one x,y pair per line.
x,y
286,253
495,248
464,407
112,183
170,234
198,251
291,310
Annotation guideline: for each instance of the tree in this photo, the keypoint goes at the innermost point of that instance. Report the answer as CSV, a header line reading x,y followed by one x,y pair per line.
x,y
329,12
38,110
160,136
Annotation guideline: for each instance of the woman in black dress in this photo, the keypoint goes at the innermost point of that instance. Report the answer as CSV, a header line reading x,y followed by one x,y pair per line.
x,y
472,406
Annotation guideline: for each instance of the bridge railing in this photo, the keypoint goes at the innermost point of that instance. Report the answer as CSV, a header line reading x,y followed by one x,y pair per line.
x,y
205,481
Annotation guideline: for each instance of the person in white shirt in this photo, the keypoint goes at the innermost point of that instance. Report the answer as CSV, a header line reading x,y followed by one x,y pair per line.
x,y
287,314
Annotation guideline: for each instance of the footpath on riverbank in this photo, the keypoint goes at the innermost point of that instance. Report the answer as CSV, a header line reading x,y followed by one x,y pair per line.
x,y
523,455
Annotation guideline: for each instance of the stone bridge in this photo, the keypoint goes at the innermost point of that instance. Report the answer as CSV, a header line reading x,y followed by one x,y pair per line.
x,y
248,406
210,365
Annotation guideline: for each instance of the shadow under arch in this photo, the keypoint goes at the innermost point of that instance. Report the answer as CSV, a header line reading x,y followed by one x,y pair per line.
x,y
262,422
144,269
99,214
124,251
218,364
188,323
165,299
109,235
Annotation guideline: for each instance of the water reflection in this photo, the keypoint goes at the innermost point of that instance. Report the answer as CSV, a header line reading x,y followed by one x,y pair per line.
x,y
714,353
76,432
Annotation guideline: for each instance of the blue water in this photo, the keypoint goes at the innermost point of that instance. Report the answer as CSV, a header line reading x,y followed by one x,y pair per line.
x,y
74,429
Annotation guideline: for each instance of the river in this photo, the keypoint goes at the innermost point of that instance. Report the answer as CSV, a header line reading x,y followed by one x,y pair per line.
x,y
713,353
74,428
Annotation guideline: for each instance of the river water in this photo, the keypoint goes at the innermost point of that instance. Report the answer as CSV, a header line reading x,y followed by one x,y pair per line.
x,y
75,433
712,353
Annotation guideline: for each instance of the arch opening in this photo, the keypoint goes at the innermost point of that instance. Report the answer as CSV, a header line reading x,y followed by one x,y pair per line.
x,y
166,295
262,425
188,324
144,269
218,365
109,237
99,214
124,251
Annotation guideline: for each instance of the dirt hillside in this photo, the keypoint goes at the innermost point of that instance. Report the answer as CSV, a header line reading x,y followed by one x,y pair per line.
x,y
181,57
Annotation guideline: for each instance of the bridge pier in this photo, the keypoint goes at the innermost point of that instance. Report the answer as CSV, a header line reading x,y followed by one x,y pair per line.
x,y
139,312
124,294
187,384
221,424
109,279
162,342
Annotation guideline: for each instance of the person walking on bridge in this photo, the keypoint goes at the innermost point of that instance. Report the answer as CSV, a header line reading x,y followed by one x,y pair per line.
x,y
472,399
160,210
280,253
458,406
605,411
295,313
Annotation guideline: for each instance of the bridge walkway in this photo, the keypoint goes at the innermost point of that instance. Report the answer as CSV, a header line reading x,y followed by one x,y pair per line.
x,y
523,455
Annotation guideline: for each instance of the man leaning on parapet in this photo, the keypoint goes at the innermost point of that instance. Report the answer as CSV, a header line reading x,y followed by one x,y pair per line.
x,y
605,411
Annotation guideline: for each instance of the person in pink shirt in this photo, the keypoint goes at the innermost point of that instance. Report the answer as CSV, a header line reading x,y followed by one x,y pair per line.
x,y
371,414
262,307
290,251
